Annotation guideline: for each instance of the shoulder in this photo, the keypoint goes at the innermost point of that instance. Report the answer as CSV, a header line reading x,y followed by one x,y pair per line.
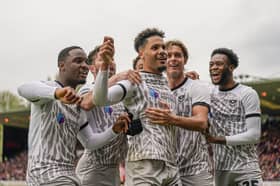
x,y
85,88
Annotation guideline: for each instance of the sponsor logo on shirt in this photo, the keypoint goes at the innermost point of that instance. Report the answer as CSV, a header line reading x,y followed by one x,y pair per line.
x,y
108,109
153,93
60,118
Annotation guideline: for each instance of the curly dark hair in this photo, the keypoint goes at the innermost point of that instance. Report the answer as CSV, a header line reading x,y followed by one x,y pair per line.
x,y
233,58
142,37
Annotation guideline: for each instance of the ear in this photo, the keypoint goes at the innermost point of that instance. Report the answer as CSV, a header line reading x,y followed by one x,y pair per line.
x,y
231,67
61,66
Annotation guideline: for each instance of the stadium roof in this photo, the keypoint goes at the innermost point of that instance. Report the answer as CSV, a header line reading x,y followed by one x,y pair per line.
x,y
269,93
15,119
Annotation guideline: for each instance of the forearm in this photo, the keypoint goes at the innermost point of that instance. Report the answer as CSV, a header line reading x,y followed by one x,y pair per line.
x,y
194,123
104,96
100,91
113,80
251,136
37,92
94,141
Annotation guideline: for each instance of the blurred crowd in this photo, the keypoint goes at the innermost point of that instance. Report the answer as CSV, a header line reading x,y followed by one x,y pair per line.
x,y
268,148
14,168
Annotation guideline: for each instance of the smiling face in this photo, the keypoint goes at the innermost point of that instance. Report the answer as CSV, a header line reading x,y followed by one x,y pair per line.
x,y
220,69
175,62
74,69
154,55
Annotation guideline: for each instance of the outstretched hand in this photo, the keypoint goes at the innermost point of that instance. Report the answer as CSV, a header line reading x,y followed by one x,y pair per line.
x,y
107,50
131,75
160,116
192,74
121,124
67,95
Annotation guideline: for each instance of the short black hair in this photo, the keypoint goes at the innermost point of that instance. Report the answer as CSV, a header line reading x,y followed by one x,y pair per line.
x,y
233,58
65,52
92,55
135,62
142,37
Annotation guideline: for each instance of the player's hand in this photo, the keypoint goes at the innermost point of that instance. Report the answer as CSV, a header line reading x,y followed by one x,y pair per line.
x,y
121,124
86,102
214,139
160,116
192,74
67,95
107,50
131,75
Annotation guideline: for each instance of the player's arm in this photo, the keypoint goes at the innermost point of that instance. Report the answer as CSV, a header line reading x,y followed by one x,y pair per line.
x,y
192,74
132,75
93,141
39,93
252,123
251,136
197,122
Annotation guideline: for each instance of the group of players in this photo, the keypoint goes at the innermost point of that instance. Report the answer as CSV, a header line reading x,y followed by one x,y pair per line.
x,y
160,125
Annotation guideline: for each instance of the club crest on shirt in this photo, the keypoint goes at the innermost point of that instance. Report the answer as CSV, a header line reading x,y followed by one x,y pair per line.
x,y
153,93
232,103
181,98
60,118
108,109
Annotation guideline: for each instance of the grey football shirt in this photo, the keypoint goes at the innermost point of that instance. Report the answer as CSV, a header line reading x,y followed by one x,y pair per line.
x,y
52,136
155,141
229,110
101,118
193,157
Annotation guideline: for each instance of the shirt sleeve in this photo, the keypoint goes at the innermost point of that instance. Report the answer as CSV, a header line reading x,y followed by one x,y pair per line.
x,y
85,89
103,96
37,92
251,104
92,140
251,136
200,94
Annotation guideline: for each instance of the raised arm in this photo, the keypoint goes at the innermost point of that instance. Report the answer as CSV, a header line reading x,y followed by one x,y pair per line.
x,y
39,92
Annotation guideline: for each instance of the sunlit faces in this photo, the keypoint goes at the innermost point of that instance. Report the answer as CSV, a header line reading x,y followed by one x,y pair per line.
x,y
154,55
219,69
175,62
76,69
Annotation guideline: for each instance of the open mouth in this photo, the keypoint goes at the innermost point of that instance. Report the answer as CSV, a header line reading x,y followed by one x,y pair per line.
x,y
84,74
215,76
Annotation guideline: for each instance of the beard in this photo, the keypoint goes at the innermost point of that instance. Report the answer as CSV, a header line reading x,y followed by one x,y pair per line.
x,y
82,81
174,75
161,69
224,77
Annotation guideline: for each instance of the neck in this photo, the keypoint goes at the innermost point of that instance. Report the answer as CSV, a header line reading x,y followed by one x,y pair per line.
x,y
175,81
65,83
152,72
228,85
